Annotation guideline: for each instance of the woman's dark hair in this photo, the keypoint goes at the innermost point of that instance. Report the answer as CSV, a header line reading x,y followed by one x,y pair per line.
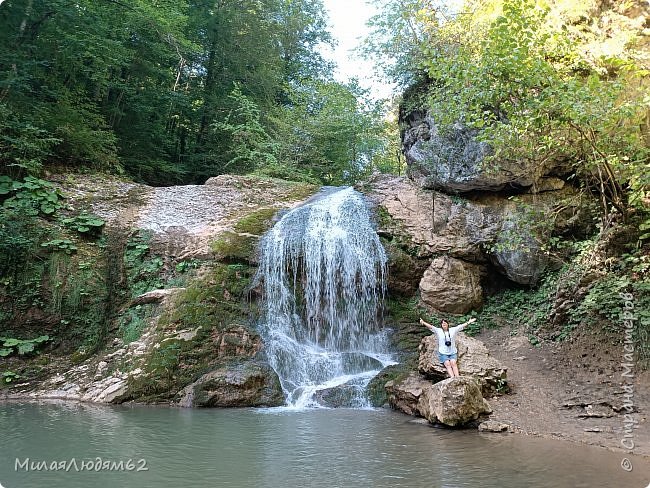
x,y
443,321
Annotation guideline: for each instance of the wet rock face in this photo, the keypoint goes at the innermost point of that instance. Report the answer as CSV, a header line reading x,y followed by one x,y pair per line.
x,y
339,396
250,384
236,341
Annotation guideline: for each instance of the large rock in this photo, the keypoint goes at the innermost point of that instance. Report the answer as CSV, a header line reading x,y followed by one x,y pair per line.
x,y
474,360
248,385
404,395
451,285
453,402
347,395
455,161
434,223
487,228
519,255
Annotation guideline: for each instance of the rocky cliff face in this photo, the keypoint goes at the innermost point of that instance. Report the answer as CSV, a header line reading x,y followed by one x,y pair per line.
x,y
181,261
456,229
454,162
500,227
455,246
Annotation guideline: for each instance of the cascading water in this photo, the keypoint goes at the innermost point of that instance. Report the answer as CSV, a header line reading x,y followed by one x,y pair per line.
x,y
322,271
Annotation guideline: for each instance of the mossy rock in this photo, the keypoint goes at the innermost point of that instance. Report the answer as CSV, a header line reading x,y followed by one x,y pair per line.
x,y
301,191
217,299
210,305
405,270
405,317
257,222
376,391
283,190
235,247
392,232
384,218
243,383
240,244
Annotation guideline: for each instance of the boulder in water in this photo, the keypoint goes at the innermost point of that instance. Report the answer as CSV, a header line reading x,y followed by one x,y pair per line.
x,y
339,396
251,384
453,402
404,395
474,360
493,426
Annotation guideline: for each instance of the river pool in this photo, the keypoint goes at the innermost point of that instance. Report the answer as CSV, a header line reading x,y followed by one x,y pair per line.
x,y
282,448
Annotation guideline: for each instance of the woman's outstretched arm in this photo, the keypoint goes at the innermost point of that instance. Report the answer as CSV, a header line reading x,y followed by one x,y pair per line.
x,y
465,324
427,325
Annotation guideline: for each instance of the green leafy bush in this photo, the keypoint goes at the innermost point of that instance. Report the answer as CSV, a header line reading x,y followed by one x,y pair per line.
x,y
32,195
12,345
19,238
9,376
143,269
65,245
133,323
185,266
86,224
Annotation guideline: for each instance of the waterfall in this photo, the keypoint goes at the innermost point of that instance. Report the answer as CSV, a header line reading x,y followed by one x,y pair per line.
x,y
322,272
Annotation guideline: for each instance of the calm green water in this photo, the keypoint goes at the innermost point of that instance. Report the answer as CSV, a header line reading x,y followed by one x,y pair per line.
x,y
275,448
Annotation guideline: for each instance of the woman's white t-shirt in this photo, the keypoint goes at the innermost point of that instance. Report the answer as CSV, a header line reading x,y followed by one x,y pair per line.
x,y
447,336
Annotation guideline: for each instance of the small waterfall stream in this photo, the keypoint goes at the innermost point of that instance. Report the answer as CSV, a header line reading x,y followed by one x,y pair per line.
x,y
322,272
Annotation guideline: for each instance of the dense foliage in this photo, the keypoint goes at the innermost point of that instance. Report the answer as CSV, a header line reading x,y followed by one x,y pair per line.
x,y
173,91
540,80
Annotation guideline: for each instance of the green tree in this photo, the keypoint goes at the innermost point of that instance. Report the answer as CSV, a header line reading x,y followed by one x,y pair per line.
x,y
146,87
331,131
541,81
251,145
